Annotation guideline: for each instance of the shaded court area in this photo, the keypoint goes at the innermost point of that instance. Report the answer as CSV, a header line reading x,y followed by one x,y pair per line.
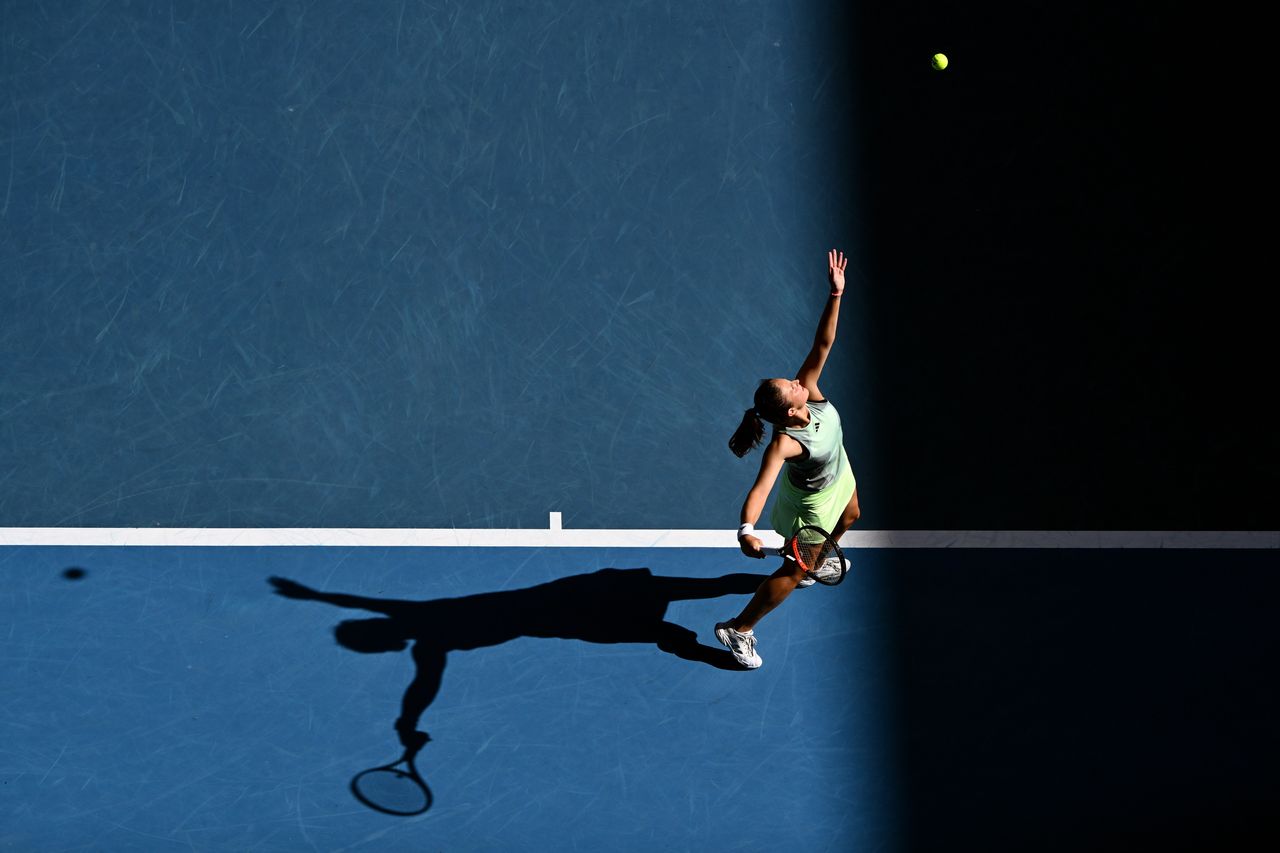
x,y
1102,700
577,699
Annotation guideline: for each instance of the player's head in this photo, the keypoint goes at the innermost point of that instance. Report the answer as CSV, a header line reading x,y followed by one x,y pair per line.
x,y
371,635
777,401
791,397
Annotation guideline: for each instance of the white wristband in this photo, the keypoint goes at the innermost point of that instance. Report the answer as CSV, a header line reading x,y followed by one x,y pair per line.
x,y
745,530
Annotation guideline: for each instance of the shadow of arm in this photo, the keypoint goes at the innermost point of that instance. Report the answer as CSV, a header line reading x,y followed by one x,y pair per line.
x,y
292,589
429,662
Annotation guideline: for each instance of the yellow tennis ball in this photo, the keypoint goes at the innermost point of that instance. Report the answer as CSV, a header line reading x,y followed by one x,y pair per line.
x,y
939,61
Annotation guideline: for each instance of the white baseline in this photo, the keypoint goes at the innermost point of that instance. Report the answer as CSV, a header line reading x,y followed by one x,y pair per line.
x,y
555,536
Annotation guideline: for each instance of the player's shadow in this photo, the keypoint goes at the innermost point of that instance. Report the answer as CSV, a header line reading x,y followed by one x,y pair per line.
x,y
606,606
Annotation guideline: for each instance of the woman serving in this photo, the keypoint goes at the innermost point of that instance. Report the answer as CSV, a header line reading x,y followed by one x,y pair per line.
x,y
807,448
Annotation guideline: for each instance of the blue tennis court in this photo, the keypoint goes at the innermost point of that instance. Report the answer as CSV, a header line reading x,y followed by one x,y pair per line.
x,y
370,362
168,698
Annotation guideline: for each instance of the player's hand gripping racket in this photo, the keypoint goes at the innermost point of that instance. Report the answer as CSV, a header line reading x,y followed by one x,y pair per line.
x,y
815,552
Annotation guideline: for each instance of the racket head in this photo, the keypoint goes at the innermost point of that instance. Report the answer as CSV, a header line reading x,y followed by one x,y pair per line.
x,y
811,547
394,789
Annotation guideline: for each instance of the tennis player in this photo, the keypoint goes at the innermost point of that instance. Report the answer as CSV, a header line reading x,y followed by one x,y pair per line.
x,y
807,448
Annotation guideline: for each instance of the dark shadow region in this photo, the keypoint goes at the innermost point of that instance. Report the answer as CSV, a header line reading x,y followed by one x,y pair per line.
x,y
1083,700
607,606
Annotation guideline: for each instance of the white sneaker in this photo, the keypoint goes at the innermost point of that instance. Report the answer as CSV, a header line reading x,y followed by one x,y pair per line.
x,y
742,645
829,568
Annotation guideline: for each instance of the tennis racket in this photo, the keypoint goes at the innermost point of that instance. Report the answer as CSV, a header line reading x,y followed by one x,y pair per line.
x,y
394,788
815,552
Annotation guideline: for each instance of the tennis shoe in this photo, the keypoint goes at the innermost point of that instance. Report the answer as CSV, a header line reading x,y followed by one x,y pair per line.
x,y
827,570
742,645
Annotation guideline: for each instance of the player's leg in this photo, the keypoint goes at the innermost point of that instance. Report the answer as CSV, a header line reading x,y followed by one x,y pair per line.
x,y
848,517
737,633
830,568
772,592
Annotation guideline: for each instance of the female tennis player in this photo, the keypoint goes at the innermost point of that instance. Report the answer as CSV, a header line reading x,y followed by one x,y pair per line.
x,y
807,447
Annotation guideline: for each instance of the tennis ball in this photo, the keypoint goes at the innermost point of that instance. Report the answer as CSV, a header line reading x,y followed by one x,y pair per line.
x,y
939,61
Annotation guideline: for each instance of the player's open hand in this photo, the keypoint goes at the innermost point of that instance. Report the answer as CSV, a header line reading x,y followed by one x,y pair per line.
x,y
752,547
836,262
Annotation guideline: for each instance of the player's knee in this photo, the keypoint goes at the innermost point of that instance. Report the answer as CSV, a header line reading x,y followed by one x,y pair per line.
x,y
851,514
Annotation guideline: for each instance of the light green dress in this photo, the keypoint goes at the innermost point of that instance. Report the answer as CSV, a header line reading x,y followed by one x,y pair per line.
x,y
816,487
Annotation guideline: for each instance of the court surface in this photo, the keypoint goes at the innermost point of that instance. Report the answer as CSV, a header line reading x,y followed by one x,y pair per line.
x,y
404,267
168,698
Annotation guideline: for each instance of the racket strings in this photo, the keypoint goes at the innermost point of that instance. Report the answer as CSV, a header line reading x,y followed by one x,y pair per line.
x,y
811,551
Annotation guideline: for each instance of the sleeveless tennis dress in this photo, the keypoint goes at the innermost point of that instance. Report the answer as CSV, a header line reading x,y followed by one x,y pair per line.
x,y
815,487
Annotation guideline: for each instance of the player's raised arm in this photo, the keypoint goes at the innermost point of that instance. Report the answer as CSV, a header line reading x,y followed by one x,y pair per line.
x,y
826,334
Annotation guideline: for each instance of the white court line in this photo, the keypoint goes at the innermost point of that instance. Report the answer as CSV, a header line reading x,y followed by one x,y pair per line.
x,y
557,537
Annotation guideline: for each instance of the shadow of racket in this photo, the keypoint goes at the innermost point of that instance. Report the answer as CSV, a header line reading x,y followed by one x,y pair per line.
x,y
395,788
